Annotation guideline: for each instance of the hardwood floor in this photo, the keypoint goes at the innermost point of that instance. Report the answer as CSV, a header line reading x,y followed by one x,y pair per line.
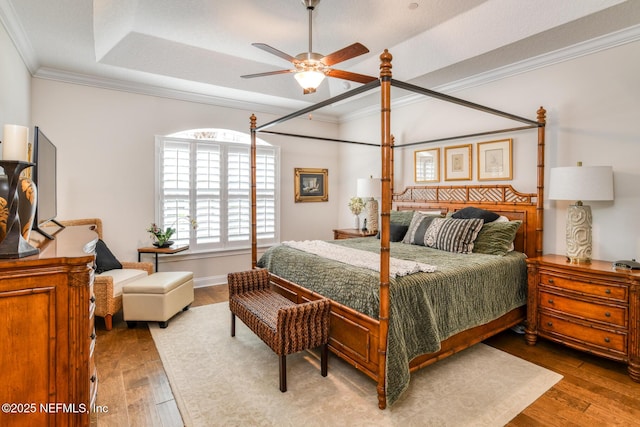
x,y
134,388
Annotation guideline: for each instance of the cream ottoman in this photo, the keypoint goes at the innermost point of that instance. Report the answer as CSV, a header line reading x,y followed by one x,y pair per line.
x,y
157,297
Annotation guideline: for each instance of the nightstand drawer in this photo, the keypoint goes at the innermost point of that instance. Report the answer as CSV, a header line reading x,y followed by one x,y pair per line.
x,y
588,288
584,309
586,334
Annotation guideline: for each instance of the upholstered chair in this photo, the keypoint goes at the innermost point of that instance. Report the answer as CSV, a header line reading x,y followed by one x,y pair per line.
x,y
107,286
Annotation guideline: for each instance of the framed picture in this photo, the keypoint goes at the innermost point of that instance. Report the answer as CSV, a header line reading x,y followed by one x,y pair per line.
x,y
457,163
311,185
426,165
494,160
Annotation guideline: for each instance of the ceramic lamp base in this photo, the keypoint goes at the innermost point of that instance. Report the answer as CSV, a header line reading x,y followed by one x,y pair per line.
x,y
578,234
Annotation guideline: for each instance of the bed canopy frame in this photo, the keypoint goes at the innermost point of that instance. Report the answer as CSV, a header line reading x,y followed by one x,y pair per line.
x,y
445,196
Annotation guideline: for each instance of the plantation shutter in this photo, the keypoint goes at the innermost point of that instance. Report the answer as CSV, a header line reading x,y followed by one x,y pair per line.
x,y
208,178
238,193
175,183
209,181
266,193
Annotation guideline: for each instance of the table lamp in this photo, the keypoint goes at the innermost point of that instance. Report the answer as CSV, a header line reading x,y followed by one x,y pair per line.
x,y
580,183
369,189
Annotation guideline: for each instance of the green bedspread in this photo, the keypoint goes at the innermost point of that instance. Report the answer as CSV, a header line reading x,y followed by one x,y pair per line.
x,y
466,290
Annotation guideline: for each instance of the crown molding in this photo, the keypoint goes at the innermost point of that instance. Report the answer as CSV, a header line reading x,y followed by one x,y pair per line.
x,y
162,92
16,33
617,38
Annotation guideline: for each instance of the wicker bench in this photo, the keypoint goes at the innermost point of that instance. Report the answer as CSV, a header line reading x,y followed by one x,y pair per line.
x,y
286,327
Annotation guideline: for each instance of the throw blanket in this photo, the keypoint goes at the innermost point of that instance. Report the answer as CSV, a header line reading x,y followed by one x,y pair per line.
x,y
359,258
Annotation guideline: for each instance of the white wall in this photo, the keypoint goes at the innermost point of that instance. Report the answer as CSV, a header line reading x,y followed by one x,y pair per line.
x,y
105,142
593,108
15,86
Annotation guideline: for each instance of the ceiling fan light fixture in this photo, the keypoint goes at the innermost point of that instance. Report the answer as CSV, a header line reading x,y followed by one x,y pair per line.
x,y
309,80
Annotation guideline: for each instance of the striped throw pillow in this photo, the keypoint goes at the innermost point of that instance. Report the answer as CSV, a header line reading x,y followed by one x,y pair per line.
x,y
453,235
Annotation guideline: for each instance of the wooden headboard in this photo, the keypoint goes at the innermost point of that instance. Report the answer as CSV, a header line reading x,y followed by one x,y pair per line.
x,y
501,199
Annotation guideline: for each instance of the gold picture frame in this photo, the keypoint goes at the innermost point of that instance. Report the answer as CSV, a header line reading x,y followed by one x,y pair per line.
x,y
426,165
311,185
495,160
457,163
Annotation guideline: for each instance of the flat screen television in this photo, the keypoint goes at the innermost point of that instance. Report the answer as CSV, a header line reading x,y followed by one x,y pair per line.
x,y
45,178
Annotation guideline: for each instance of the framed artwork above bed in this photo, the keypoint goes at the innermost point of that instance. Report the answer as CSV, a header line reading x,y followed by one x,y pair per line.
x,y
494,160
426,165
457,163
311,185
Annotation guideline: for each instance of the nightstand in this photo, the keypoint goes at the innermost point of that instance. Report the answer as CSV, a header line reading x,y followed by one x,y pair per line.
x,y
350,233
590,307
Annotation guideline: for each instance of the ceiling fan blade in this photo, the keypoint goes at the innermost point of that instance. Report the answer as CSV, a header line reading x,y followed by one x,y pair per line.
x,y
268,73
348,75
275,52
343,54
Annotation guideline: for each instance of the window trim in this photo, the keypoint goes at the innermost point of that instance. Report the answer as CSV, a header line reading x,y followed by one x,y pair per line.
x,y
243,140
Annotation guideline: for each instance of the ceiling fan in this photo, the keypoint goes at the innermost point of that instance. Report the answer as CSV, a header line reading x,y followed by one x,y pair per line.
x,y
310,67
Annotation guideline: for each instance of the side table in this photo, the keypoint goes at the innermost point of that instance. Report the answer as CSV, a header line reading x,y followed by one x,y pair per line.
x,y
350,233
154,250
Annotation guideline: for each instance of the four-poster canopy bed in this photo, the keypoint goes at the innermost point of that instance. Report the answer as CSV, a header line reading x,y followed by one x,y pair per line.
x,y
361,335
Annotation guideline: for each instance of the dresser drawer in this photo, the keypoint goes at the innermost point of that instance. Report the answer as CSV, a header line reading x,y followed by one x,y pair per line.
x,y
603,290
584,309
577,332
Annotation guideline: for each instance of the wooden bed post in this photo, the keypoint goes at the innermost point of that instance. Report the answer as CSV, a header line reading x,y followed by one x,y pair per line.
x,y
254,233
392,176
542,120
385,111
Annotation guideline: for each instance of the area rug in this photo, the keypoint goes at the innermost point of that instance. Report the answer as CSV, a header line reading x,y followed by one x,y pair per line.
x,y
219,380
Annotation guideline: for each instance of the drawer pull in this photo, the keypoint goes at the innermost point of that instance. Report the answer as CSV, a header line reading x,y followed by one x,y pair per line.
x,y
549,323
93,336
92,299
607,314
93,378
606,339
550,300
551,280
608,291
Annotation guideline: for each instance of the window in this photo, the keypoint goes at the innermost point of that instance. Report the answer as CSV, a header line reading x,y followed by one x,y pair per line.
x,y
203,174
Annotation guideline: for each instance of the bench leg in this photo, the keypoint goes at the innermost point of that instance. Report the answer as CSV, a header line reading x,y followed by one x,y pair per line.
x,y
283,373
233,324
324,360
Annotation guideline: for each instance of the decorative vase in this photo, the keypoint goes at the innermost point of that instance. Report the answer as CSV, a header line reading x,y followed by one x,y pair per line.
x,y
13,190
356,223
27,197
27,203
163,243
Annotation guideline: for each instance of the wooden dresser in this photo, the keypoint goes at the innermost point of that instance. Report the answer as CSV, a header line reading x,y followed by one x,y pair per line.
x,y
47,335
592,307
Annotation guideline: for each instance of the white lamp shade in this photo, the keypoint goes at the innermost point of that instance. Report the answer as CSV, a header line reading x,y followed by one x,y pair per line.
x,y
309,79
581,183
369,187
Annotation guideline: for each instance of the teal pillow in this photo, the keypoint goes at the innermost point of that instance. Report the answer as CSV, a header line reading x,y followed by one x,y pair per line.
x,y
495,238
